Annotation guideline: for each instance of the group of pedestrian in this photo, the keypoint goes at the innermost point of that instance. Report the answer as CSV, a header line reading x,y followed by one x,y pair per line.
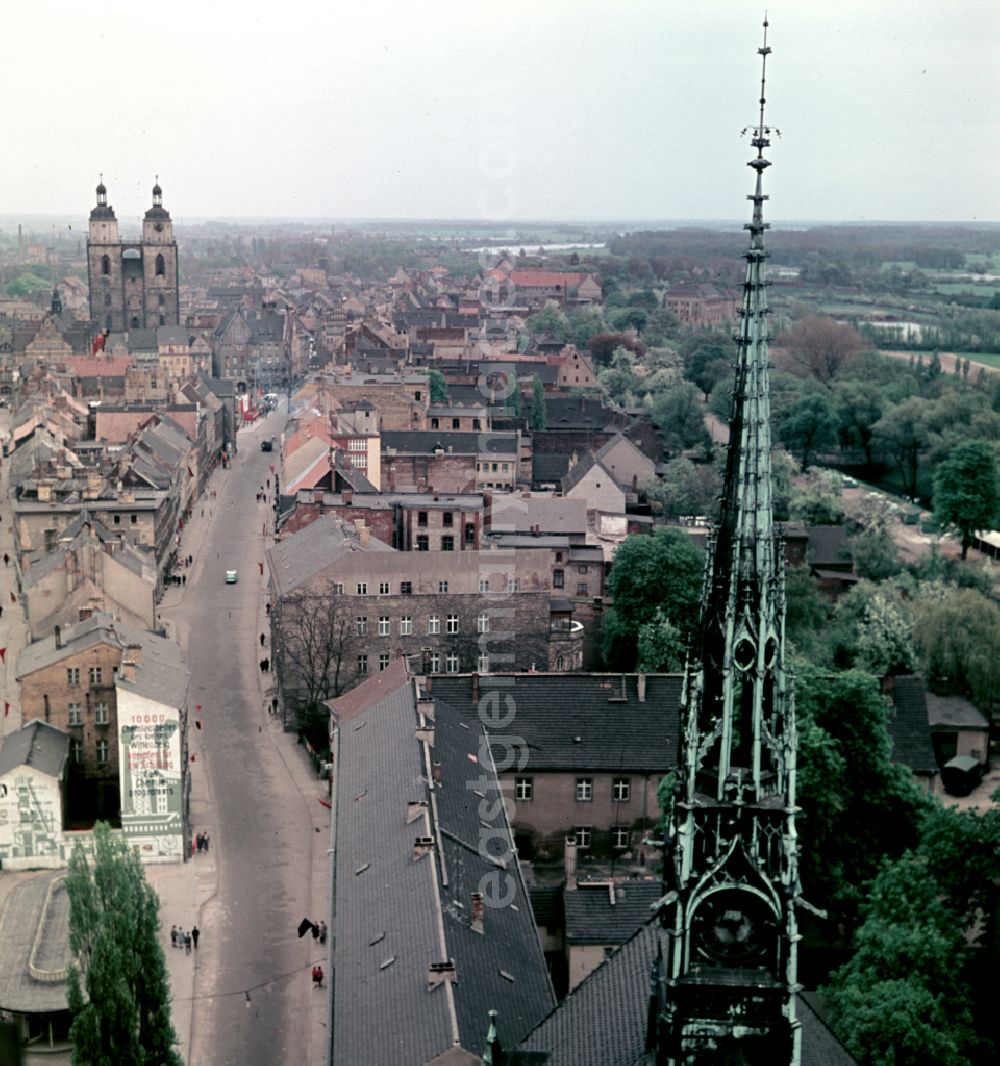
x,y
265,665
186,939
201,841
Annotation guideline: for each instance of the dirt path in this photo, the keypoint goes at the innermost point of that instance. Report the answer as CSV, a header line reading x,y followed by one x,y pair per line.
x,y
947,360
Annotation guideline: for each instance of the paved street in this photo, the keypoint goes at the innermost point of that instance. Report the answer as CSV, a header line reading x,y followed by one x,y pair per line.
x,y
253,791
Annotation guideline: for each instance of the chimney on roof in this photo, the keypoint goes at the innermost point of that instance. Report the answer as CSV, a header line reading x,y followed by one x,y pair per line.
x,y
414,809
569,858
422,846
478,913
133,654
436,773
439,972
573,459
348,495
58,635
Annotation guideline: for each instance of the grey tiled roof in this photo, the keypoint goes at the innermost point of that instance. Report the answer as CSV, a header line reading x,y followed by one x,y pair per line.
x,y
297,558
37,744
592,918
909,727
602,1022
396,915
424,441
579,721
25,918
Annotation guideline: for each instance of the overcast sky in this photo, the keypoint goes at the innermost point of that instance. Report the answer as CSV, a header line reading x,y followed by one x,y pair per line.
x,y
562,109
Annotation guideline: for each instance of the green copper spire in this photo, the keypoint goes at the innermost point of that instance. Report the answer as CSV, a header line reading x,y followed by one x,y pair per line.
x,y
739,725
727,990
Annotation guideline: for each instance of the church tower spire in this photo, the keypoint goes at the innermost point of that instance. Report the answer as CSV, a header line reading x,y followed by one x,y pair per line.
x,y
728,978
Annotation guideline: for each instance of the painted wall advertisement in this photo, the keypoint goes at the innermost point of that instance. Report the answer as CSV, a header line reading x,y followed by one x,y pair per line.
x,y
151,771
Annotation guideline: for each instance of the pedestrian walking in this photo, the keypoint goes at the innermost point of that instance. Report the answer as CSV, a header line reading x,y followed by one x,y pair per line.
x,y
195,933
262,638
1,610
204,840
173,936
322,932
187,943
317,975
6,559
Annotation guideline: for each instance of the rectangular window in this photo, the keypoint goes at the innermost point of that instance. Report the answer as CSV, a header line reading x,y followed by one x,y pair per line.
x,y
470,532
456,423
101,716
362,588
362,664
451,663
103,749
423,544
451,623
584,789
581,588
406,588
421,518
73,676
94,674
476,424
559,556
442,586
558,579
504,467
620,837
338,588
523,788
435,423
447,518
383,625
76,752
484,584
513,584
583,837
483,663
75,714
447,544
361,626
433,624
435,662
621,789
582,568
406,625
383,588
483,623
383,661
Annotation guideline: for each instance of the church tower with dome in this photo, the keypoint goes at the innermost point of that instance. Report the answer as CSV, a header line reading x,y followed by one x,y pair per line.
x,y
133,284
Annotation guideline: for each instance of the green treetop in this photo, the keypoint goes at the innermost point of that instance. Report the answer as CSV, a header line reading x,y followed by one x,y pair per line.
x,y
118,994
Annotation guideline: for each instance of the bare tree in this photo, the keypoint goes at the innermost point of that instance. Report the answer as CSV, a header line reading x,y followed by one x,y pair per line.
x,y
822,347
314,647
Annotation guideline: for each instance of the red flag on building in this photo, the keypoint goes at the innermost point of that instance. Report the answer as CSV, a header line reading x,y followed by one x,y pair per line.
x,y
3,655
261,565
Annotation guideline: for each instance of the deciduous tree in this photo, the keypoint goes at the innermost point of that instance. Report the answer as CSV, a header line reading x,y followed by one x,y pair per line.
x,y
808,426
537,404
118,991
657,576
967,490
822,347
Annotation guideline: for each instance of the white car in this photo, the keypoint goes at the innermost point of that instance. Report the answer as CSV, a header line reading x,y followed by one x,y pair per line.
x,y
231,577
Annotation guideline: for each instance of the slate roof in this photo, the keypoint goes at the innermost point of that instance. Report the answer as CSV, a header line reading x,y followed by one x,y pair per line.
x,y
579,721
27,926
161,675
552,514
602,1022
99,628
38,744
828,547
295,559
908,725
396,915
423,442
592,917
549,466
954,712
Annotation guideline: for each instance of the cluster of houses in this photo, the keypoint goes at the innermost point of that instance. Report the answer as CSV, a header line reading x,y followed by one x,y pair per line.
x,y
459,539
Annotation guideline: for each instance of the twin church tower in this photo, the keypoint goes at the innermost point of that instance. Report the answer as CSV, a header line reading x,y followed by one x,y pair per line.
x,y
133,284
